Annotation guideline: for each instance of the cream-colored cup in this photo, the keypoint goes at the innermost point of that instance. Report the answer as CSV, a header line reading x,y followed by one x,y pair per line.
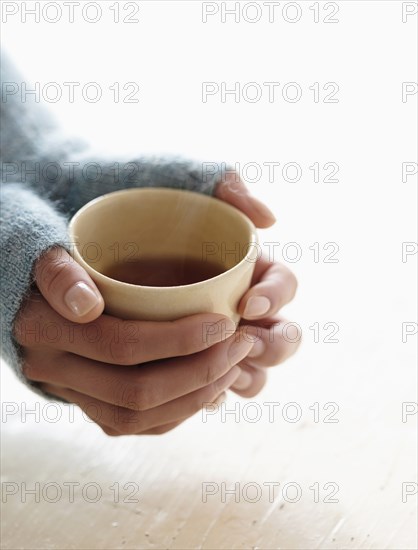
x,y
157,223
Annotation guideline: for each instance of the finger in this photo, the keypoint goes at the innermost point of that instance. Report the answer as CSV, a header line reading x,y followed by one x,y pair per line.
x,y
275,340
275,287
111,340
127,421
250,382
160,430
67,287
233,191
138,388
56,391
178,406
164,428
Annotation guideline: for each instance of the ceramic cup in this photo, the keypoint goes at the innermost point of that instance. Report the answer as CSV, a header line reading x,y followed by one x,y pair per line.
x,y
157,223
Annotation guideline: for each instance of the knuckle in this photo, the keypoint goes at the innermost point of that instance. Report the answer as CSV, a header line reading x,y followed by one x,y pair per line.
x,y
134,395
146,396
121,353
52,271
126,421
231,181
211,372
188,339
114,349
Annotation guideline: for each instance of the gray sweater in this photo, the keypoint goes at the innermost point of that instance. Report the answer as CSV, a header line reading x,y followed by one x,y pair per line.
x,y
45,178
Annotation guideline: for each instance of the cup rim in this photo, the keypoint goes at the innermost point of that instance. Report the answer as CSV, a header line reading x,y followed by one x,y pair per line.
x,y
139,190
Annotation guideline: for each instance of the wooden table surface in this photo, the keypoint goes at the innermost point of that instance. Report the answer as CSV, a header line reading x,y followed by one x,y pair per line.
x,y
258,477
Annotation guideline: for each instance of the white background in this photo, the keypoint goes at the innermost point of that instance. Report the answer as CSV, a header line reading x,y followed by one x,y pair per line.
x,y
368,213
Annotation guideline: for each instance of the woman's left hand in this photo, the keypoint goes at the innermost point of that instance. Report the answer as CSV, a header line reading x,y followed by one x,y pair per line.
x,y
273,286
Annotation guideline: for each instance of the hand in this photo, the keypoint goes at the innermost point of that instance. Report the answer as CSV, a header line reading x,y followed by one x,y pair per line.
x,y
74,351
131,377
273,285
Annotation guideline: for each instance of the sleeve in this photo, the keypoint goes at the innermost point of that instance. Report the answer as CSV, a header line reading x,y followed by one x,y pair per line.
x,y
46,177
91,177
35,153
29,225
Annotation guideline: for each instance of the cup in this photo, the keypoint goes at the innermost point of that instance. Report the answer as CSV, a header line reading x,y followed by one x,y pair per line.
x,y
158,226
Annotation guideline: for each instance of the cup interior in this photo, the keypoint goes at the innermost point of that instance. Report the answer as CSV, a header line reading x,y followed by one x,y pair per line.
x,y
158,223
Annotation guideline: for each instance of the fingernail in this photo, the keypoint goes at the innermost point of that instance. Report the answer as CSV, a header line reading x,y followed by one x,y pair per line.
x,y
263,210
209,405
243,382
219,331
81,299
256,306
221,398
238,350
257,349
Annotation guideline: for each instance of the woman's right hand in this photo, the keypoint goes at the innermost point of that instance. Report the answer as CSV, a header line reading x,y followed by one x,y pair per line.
x,y
130,377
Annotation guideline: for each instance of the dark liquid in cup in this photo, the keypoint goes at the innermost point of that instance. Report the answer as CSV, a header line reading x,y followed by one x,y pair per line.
x,y
164,272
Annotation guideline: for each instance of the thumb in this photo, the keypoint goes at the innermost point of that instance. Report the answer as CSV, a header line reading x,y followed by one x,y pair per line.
x,y
67,287
233,191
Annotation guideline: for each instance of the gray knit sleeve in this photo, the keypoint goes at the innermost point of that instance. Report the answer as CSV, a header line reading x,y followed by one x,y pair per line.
x,y
71,182
45,178
29,225
92,177
36,153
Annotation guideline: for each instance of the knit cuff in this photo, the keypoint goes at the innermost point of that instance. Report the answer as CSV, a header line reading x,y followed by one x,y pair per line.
x,y
29,226
92,177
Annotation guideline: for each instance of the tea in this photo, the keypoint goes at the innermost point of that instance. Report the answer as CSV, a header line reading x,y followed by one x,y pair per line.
x,y
164,271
